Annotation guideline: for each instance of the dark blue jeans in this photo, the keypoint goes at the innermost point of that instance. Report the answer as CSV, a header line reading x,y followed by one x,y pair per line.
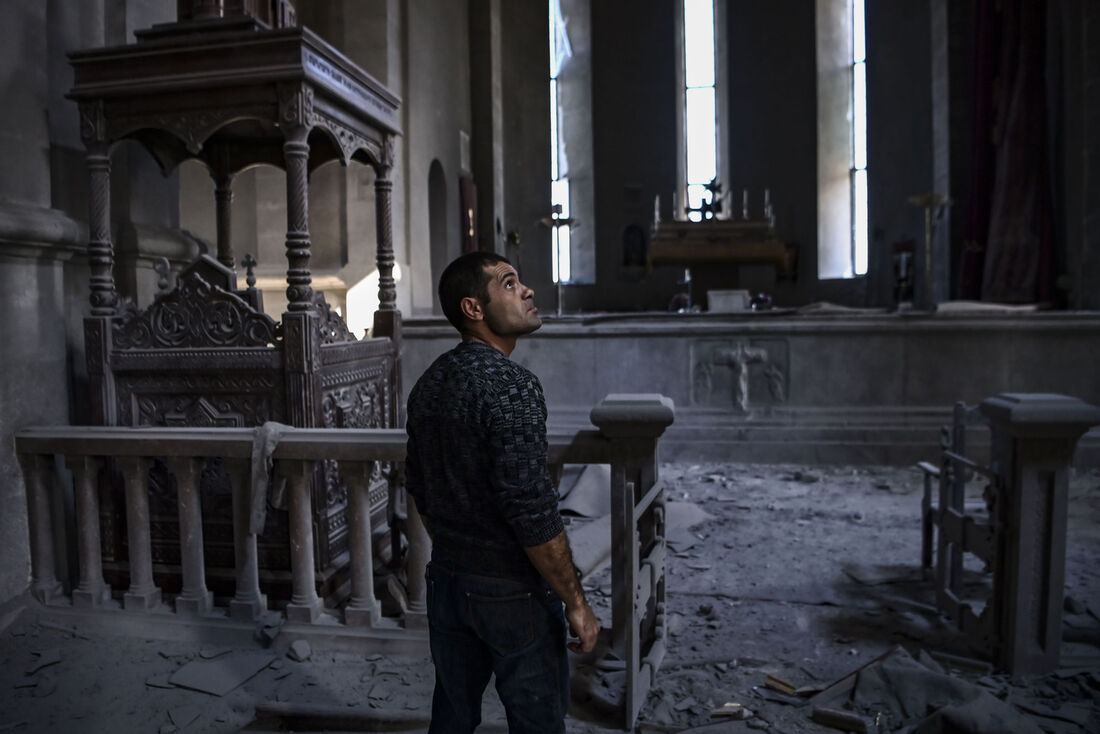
x,y
481,625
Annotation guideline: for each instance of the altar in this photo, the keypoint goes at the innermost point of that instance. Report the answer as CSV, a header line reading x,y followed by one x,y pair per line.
x,y
804,387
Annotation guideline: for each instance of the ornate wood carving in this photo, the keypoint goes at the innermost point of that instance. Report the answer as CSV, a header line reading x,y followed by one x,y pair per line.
x,y
196,314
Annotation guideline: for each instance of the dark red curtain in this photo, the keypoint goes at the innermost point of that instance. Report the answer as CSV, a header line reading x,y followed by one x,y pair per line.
x,y
1008,253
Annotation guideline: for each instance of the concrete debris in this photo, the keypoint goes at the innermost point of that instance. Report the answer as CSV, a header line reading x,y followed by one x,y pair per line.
x,y
160,680
757,724
182,716
299,651
903,691
209,653
47,657
1072,605
686,704
221,675
267,633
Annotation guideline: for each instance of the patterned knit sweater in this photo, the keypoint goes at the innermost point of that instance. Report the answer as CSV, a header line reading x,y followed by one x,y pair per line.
x,y
476,462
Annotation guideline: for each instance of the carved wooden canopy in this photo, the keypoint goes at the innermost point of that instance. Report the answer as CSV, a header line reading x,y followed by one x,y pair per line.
x,y
230,92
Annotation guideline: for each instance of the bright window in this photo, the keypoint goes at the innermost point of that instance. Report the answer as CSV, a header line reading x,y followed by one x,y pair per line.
x,y
842,139
700,119
559,184
859,140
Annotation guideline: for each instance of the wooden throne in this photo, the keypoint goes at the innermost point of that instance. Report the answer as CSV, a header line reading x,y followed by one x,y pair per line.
x,y
225,87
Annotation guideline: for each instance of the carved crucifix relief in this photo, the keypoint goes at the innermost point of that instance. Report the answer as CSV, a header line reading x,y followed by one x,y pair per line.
x,y
742,374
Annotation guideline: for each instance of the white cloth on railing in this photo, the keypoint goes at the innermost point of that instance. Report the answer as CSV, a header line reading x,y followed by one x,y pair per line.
x,y
264,440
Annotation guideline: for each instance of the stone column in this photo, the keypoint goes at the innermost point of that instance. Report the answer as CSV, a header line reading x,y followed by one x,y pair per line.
x,y
143,593
247,602
304,604
194,598
363,609
92,591
44,584
1033,439
416,564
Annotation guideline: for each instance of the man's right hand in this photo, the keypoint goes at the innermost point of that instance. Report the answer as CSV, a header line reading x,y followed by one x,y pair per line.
x,y
583,625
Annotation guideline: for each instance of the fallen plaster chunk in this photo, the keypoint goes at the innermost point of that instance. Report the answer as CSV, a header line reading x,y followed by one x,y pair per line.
x,y
221,675
49,656
160,680
181,716
210,653
299,651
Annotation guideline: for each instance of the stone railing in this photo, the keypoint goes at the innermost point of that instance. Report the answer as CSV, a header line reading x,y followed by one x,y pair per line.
x,y
628,429
1021,533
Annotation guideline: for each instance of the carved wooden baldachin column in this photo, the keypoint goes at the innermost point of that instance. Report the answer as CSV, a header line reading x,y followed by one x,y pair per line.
x,y
301,335
223,201
101,262
387,319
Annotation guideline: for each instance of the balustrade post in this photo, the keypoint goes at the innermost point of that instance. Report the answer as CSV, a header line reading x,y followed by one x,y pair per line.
x,y
45,586
248,602
143,593
633,424
194,598
304,605
364,609
1033,438
416,565
92,591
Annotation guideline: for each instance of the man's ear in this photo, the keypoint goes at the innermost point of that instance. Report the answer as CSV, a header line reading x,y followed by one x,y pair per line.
x,y
471,308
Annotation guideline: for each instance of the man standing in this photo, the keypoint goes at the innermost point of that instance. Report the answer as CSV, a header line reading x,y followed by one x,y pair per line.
x,y
501,566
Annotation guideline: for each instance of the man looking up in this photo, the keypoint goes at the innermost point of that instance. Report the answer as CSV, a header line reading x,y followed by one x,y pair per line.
x,y
501,566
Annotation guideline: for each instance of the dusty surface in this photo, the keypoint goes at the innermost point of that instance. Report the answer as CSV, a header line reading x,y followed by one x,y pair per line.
x,y
769,585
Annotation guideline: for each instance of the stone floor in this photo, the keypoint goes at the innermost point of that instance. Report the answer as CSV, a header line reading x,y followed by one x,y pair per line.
x,y
806,574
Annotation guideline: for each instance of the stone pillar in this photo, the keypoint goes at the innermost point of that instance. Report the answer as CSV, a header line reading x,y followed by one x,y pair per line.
x,y
363,609
304,604
44,584
247,602
92,591
143,593
416,564
194,598
1033,438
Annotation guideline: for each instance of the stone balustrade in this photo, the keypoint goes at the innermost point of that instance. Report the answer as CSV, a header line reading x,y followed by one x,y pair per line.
x,y
626,438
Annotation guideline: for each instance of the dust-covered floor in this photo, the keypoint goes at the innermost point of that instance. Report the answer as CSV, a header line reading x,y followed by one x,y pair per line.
x,y
803,574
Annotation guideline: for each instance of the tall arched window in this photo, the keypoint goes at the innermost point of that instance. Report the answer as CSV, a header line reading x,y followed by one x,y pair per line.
x,y
702,106
842,139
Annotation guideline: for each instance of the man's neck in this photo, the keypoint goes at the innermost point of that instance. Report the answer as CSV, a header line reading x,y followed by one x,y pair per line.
x,y
505,345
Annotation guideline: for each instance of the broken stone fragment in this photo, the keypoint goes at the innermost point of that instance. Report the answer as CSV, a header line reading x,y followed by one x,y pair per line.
x,y
299,651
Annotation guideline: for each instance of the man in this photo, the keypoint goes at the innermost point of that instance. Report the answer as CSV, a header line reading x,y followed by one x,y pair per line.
x,y
501,566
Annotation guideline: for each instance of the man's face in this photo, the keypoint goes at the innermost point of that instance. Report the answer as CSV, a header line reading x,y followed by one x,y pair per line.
x,y
511,309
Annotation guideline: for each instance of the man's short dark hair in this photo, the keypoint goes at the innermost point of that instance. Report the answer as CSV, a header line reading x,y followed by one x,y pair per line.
x,y
466,277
